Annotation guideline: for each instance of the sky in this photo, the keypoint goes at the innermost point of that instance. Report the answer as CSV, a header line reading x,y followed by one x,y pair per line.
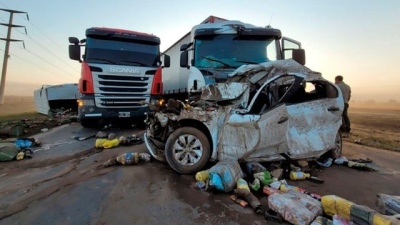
x,y
357,39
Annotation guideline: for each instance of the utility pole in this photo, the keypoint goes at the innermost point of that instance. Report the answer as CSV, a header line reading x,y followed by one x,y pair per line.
x,y
8,40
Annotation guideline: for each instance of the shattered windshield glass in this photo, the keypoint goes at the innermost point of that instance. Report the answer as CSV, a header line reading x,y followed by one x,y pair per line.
x,y
120,52
232,51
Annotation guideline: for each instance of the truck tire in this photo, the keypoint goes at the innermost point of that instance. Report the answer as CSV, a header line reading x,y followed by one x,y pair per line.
x,y
337,151
187,150
89,123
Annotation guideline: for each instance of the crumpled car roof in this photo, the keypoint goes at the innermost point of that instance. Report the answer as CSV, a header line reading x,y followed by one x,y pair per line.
x,y
239,81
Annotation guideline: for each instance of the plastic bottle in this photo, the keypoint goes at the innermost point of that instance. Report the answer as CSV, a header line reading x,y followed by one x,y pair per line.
x,y
255,185
264,177
242,184
287,187
202,175
299,175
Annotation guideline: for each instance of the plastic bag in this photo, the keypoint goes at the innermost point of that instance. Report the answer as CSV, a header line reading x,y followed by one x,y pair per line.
x,y
228,171
338,220
388,204
294,207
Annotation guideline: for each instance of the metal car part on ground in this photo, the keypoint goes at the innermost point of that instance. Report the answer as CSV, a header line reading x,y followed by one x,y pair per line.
x,y
260,113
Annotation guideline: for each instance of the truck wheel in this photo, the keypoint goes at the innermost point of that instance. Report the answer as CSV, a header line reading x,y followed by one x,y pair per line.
x,y
187,150
89,123
337,151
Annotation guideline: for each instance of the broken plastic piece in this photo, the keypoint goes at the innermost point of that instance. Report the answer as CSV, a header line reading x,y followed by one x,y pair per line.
x,y
241,202
145,157
250,198
326,163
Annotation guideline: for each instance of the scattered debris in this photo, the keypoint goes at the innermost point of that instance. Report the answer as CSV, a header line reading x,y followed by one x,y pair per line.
x,y
326,163
358,141
359,214
224,174
294,207
130,158
19,149
249,198
388,204
241,202
322,221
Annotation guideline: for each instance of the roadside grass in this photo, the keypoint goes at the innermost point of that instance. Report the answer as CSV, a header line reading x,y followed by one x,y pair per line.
x,y
379,128
21,116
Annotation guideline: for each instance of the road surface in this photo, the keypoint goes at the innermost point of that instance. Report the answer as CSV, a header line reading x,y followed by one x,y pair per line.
x,y
65,183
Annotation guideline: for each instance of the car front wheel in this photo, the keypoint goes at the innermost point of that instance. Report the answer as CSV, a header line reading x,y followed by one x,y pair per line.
x,y
187,150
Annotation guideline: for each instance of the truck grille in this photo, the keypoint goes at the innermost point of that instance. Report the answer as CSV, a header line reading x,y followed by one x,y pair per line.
x,y
121,91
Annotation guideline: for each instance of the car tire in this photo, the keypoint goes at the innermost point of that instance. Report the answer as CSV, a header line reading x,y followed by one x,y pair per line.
x,y
337,151
187,150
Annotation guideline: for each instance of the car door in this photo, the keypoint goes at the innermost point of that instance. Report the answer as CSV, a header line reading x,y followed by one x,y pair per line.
x,y
272,126
313,125
238,137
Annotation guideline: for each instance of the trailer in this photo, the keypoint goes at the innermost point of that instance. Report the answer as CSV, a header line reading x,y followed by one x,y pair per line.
x,y
51,97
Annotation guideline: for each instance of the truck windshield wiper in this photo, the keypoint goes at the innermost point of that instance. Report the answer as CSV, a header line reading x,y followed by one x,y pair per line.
x,y
248,62
218,61
100,59
134,62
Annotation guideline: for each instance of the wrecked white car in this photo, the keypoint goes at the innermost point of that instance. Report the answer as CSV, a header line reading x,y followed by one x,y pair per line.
x,y
264,112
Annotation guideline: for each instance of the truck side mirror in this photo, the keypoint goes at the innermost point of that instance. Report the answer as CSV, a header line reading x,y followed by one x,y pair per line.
x,y
75,52
73,40
167,61
299,55
184,47
184,59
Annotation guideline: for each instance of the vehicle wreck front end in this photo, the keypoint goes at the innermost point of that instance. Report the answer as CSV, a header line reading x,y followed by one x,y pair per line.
x,y
262,113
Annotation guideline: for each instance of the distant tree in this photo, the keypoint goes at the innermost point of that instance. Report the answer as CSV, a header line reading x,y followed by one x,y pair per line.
x,y
392,101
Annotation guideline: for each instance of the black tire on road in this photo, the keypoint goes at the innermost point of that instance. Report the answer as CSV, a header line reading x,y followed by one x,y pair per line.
x,y
186,143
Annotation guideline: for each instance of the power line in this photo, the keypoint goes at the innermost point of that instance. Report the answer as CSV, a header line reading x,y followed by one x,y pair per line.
x,y
41,44
33,64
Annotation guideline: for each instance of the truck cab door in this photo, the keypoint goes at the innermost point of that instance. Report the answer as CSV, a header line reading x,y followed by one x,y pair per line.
x,y
291,49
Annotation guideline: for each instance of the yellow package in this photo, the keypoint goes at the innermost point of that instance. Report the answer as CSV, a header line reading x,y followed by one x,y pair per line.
x,y
202,175
99,142
380,219
343,208
111,143
333,204
20,155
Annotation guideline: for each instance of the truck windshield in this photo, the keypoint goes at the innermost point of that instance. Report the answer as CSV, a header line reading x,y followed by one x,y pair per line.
x,y
121,52
232,51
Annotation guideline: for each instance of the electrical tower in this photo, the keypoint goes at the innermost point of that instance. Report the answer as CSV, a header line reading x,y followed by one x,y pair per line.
x,y
8,40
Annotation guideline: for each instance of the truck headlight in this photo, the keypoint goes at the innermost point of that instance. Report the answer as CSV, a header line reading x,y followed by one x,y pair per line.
x,y
82,103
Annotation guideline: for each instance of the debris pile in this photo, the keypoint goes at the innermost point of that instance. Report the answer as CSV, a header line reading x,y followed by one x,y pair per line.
x,y
290,203
19,128
111,140
21,148
130,158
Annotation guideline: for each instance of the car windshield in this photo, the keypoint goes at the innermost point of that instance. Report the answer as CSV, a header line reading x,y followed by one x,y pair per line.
x,y
232,51
121,52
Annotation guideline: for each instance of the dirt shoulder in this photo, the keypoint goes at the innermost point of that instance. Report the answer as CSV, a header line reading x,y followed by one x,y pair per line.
x,y
375,127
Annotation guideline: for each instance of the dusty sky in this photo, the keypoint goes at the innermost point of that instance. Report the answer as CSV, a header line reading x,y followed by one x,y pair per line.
x,y
357,39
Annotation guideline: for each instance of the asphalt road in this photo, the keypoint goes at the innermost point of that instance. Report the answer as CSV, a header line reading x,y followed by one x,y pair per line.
x,y
65,183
